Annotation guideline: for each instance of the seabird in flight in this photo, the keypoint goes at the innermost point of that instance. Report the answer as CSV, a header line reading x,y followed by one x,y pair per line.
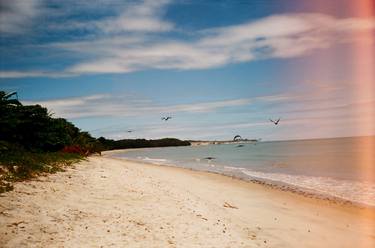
x,y
166,118
275,122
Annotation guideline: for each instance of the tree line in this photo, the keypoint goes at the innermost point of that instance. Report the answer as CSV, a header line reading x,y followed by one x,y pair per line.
x,y
109,144
35,129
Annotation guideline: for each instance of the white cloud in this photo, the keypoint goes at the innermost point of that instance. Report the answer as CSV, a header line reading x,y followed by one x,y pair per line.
x,y
277,36
17,15
296,109
21,74
28,74
68,102
127,105
144,17
141,16
120,106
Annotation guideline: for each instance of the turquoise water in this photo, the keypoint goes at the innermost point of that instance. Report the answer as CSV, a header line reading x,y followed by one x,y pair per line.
x,y
329,167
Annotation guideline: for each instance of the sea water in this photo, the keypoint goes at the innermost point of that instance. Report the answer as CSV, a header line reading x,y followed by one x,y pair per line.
x,y
342,168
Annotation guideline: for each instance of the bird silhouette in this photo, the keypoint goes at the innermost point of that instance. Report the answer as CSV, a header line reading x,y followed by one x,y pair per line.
x,y
237,137
275,122
130,131
166,118
209,158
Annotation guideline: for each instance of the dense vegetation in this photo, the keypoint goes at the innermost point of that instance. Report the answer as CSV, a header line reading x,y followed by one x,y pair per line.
x,y
109,144
33,141
34,129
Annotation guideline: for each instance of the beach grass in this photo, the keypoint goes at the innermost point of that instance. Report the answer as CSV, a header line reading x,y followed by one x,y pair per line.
x,y
23,165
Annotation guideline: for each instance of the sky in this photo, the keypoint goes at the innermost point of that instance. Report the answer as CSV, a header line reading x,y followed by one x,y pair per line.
x,y
218,67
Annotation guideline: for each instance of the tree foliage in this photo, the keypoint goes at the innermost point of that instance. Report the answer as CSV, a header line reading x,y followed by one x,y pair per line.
x,y
109,144
33,128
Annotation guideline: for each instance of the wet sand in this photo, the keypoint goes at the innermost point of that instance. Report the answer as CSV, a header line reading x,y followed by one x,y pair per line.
x,y
107,202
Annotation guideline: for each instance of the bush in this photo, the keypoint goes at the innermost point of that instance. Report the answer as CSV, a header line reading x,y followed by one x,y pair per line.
x,y
109,144
20,165
33,128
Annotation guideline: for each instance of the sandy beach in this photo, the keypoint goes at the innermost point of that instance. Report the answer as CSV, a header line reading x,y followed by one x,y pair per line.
x,y
107,202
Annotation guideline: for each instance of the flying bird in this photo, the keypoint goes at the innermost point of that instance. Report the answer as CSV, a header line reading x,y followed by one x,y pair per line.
x,y
237,137
275,122
130,131
166,118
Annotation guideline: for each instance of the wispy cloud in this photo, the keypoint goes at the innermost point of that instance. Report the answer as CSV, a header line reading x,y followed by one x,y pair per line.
x,y
279,36
125,44
290,105
36,73
113,17
315,112
17,15
120,106
144,17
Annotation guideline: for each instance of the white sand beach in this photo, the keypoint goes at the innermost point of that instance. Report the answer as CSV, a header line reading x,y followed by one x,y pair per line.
x,y
106,202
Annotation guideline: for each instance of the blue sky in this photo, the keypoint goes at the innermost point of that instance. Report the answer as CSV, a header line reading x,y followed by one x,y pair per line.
x,y
219,68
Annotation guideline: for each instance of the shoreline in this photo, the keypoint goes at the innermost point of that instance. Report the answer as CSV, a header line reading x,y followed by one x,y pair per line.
x,y
281,186
112,202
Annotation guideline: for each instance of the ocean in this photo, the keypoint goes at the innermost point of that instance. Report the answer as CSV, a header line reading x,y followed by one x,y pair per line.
x,y
340,168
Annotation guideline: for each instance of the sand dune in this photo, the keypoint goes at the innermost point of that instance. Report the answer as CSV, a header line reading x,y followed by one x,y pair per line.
x,y
105,202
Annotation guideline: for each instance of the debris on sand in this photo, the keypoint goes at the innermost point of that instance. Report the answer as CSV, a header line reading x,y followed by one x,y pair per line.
x,y
227,205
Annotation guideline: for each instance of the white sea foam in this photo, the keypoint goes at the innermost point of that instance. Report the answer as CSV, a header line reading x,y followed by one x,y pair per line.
x,y
233,168
158,161
155,159
354,191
